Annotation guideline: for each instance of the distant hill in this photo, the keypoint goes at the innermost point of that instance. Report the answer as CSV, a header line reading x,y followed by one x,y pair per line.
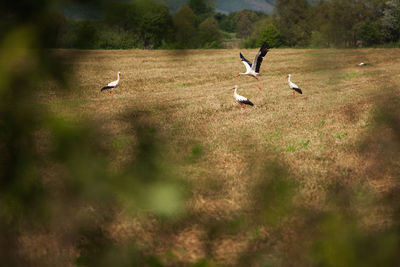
x,y
227,6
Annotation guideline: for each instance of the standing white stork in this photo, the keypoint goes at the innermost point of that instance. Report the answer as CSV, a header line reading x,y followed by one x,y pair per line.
x,y
254,69
243,101
293,86
112,85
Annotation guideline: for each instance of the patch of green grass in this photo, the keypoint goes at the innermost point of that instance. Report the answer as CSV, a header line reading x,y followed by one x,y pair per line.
x,y
341,135
306,143
321,73
368,74
201,263
349,75
185,84
175,126
299,144
291,147
170,255
119,142
272,137
196,152
342,77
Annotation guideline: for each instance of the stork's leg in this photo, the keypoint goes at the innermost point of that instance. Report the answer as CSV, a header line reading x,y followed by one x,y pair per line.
x,y
111,94
293,95
259,86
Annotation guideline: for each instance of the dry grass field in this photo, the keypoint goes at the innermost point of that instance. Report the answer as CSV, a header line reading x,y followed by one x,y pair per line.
x,y
325,142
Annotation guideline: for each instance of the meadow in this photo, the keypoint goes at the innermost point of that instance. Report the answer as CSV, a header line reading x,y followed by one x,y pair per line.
x,y
331,148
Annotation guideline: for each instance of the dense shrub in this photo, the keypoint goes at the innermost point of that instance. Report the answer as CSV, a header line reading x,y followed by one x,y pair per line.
x,y
270,35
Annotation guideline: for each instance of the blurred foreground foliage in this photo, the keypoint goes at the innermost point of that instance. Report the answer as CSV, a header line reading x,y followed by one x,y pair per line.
x,y
57,180
56,176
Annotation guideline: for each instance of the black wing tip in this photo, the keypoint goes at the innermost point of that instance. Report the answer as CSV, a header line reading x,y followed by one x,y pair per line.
x,y
264,46
298,90
106,88
247,102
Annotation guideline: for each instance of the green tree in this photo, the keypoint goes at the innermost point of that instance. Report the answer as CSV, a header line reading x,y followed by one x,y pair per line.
x,y
368,33
121,15
226,22
270,35
339,21
258,27
154,23
201,7
245,20
294,21
185,27
391,21
209,34
86,34
320,15
342,19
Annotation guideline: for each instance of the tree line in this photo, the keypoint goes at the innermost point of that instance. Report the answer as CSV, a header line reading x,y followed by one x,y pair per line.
x,y
148,24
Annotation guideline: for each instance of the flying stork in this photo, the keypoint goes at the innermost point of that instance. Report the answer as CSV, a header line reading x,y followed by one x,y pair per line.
x,y
293,86
112,85
243,101
254,69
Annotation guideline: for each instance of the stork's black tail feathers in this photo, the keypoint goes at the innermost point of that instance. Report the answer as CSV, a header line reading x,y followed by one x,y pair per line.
x,y
298,90
106,88
247,102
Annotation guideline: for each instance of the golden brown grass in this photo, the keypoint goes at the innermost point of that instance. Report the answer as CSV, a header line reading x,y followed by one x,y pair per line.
x,y
187,95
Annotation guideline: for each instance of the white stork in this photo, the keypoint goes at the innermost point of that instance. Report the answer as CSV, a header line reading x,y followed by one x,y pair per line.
x,y
293,86
112,85
254,69
243,101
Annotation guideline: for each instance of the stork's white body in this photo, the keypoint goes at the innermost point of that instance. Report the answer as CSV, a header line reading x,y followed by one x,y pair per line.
x,y
291,84
238,97
254,69
110,86
243,101
294,86
113,84
249,70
